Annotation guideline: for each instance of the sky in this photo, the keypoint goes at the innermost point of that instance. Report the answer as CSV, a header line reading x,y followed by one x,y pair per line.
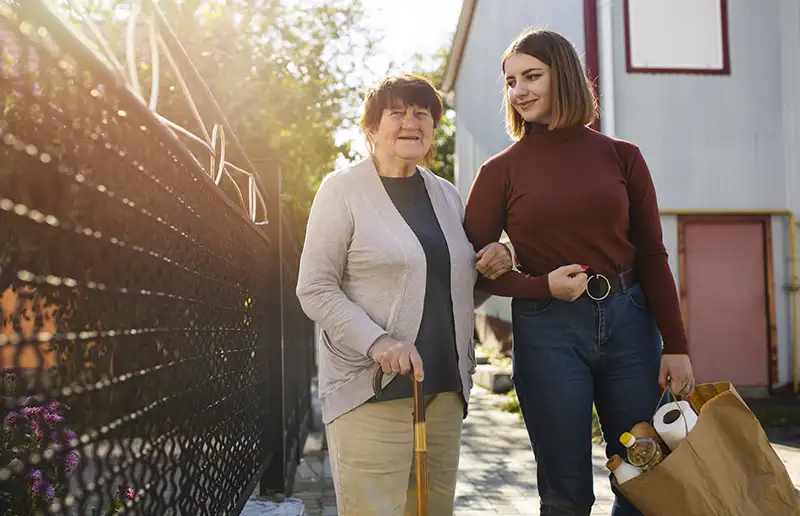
x,y
403,28
411,26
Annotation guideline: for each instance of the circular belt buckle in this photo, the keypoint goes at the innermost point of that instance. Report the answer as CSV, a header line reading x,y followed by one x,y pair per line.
x,y
608,284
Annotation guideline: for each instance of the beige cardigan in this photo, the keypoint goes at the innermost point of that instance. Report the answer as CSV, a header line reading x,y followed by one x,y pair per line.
x,y
362,276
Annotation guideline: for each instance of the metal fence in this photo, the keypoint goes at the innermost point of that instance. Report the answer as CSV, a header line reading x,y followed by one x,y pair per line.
x,y
154,357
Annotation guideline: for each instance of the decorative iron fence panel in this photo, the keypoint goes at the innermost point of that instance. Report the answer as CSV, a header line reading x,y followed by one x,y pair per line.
x,y
142,339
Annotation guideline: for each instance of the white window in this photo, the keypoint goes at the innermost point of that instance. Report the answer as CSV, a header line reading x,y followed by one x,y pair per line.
x,y
677,36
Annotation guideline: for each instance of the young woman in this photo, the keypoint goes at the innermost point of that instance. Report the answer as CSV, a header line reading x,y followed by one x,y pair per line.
x,y
594,295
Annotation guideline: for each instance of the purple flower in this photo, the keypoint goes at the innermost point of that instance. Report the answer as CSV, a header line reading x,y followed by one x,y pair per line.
x,y
11,418
64,436
55,407
36,481
53,418
129,493
37,428
48,492
32,411
41,486
71,462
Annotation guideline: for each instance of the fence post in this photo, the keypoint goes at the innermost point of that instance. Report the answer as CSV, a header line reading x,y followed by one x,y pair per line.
x,y
274,478
297,373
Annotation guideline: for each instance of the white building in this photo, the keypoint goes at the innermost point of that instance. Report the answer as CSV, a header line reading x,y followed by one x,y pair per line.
x,y
708,89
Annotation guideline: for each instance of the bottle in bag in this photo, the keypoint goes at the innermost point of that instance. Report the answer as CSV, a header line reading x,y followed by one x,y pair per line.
x,y
645,429
643,453
622,470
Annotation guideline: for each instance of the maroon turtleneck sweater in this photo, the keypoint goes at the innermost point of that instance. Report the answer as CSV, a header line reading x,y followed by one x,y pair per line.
x,y
575,196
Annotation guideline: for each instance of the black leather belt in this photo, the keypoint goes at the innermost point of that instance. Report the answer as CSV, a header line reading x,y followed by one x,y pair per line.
x,y
601,286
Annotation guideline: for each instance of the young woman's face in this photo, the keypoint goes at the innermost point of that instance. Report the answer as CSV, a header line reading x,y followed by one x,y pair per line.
x,y
528,86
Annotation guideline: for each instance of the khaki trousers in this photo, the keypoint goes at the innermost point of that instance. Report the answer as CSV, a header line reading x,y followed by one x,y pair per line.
x,y
372,457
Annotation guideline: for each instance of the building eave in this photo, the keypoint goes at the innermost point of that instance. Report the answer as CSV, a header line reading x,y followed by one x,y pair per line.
x,y
457,50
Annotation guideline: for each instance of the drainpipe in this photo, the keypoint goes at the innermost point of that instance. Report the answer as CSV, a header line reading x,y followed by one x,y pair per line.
x,y
794,288
606,50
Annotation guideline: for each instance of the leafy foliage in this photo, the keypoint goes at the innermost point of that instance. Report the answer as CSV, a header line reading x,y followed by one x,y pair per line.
x,y
282,72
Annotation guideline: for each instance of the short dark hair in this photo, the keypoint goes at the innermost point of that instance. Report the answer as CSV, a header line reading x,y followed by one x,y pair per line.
x,y
402,89
574,101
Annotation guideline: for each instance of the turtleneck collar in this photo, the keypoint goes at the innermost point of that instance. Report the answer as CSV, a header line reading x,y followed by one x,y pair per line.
x,y
538,129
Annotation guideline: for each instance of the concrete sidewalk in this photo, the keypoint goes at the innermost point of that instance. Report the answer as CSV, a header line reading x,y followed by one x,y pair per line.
x,y
497,474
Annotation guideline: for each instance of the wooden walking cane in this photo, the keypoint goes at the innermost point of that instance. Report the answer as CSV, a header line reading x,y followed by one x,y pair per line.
x,y
420,450
420,440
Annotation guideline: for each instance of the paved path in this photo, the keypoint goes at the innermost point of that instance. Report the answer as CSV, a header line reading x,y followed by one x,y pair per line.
x,y
497,471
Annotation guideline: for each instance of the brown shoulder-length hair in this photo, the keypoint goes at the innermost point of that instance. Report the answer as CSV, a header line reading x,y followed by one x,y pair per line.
x,y
400,90
574,101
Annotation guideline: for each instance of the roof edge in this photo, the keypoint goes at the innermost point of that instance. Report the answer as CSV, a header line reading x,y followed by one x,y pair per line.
x,y
457,49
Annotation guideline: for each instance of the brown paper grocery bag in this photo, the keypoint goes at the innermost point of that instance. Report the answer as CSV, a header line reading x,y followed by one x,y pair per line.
x,y
724,467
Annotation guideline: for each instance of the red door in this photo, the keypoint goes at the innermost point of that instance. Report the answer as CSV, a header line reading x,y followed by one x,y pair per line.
x,y
724,290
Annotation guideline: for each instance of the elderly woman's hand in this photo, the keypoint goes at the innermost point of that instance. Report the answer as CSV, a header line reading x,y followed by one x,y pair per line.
x,y
397,357
494,260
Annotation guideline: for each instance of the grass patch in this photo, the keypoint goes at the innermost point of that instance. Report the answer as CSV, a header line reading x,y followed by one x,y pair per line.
x,y
511,404
597,435
496,358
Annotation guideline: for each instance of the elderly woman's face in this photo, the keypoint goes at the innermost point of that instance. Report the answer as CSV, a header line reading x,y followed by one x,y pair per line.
x,y
405,133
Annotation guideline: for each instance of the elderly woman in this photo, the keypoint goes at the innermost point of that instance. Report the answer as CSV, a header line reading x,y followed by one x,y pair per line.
x,y
389,275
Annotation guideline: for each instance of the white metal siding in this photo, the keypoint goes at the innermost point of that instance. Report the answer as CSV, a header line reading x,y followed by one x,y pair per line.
x,y
712,142
669,226
790,80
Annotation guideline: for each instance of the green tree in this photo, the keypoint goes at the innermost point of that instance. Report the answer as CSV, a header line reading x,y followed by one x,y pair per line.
x,y
433,68
283,73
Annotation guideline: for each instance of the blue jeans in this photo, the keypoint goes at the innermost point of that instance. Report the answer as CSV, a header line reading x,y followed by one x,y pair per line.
x,y
568,356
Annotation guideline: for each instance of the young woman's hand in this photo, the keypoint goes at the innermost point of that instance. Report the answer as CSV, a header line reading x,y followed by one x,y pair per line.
x,y
677,375
397,357
567,283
